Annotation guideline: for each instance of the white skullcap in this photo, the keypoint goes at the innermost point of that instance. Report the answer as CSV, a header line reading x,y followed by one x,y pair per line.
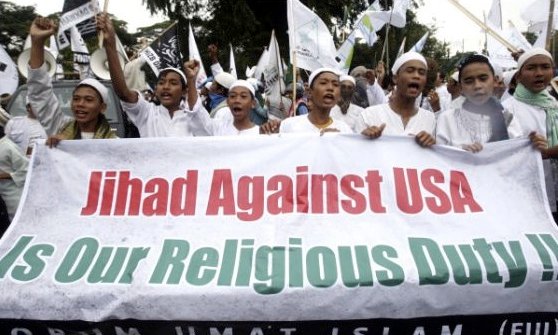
x,y
347,78
245,84
406,57
530,53
319,71
208,84
103,91
508,76
173,69
224,79
455,76
498,71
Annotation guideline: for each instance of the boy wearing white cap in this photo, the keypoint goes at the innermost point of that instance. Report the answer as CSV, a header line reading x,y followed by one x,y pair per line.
x,y
165,120
323,94
345,110
241,100
481,118
89,99
400,116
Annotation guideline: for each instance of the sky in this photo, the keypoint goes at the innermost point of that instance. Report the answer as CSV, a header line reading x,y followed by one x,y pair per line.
x,y
453,26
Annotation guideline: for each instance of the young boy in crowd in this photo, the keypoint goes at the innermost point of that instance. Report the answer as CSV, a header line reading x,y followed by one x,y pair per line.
x,y
88,99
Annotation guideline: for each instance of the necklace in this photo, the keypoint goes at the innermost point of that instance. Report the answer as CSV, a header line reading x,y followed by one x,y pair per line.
x,y
324,125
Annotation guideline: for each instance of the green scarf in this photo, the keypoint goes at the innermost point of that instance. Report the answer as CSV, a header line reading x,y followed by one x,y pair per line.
x,y
545,101
102,130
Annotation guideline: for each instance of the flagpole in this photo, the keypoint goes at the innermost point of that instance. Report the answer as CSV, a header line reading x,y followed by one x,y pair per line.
x,y
101,34
484,26
293,44
550,25
386,40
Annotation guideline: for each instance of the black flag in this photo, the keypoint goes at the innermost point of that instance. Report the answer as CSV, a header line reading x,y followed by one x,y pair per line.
x,y
163,52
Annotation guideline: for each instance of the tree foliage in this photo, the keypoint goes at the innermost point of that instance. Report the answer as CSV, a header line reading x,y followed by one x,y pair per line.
x,y
14,26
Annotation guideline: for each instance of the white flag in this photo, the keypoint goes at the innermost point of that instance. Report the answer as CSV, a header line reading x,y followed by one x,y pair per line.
x,y
397,16
273,72
499,53
495,14
195,54
8,73
81,54
402,47
541,39
309,38
535,12
420,44
262,63
346,52
232,64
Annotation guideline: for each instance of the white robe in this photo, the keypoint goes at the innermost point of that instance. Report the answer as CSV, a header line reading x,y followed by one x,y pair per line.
x,y
352,116
301,124
376,115
13,162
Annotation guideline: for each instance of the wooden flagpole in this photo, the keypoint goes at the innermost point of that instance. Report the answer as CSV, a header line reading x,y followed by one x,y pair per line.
x,y
550,26
101,35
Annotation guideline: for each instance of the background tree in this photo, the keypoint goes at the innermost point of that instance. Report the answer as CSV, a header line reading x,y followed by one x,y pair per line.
x,y
14,26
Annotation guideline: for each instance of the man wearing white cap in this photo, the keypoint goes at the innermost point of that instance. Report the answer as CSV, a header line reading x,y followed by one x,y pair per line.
x,y
345,110
241,100
400,116
537,111
323,94
89,99
165,120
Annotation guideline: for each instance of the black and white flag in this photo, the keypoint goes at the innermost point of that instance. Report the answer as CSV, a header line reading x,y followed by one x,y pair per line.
x,y
80,13
163,52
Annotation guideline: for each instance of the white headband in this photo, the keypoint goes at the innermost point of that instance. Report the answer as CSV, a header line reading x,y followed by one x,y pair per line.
x,y
530,53
103,91
347,78
245,84
319,71
406,57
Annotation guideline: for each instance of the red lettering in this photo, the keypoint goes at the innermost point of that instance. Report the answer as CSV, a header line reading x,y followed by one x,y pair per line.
x,y
428,178
156,203
253,208
280,202
221,194
128,188
374,179
108,193
357,202
331,194
184,188
302,189
461,194
402,189
94,189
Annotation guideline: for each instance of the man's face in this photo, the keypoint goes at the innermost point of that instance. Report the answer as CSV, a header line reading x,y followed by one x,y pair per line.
x,y
536,73
347,90
477,83
410,79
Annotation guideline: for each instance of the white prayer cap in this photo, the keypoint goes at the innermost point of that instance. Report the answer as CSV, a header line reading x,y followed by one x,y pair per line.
x,y
347,78
406,57
208,84
100,88
224,79
319,71
455,76
530,53
245,84
508,76
173,69
498,71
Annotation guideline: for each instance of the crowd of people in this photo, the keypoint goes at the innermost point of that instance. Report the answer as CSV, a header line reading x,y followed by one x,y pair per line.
x,y
479,104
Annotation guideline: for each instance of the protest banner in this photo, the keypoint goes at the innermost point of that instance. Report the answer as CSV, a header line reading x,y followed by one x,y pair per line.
x,y
333,234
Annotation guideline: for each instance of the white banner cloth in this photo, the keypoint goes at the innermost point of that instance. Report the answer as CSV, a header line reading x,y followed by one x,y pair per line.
x,y
287,228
